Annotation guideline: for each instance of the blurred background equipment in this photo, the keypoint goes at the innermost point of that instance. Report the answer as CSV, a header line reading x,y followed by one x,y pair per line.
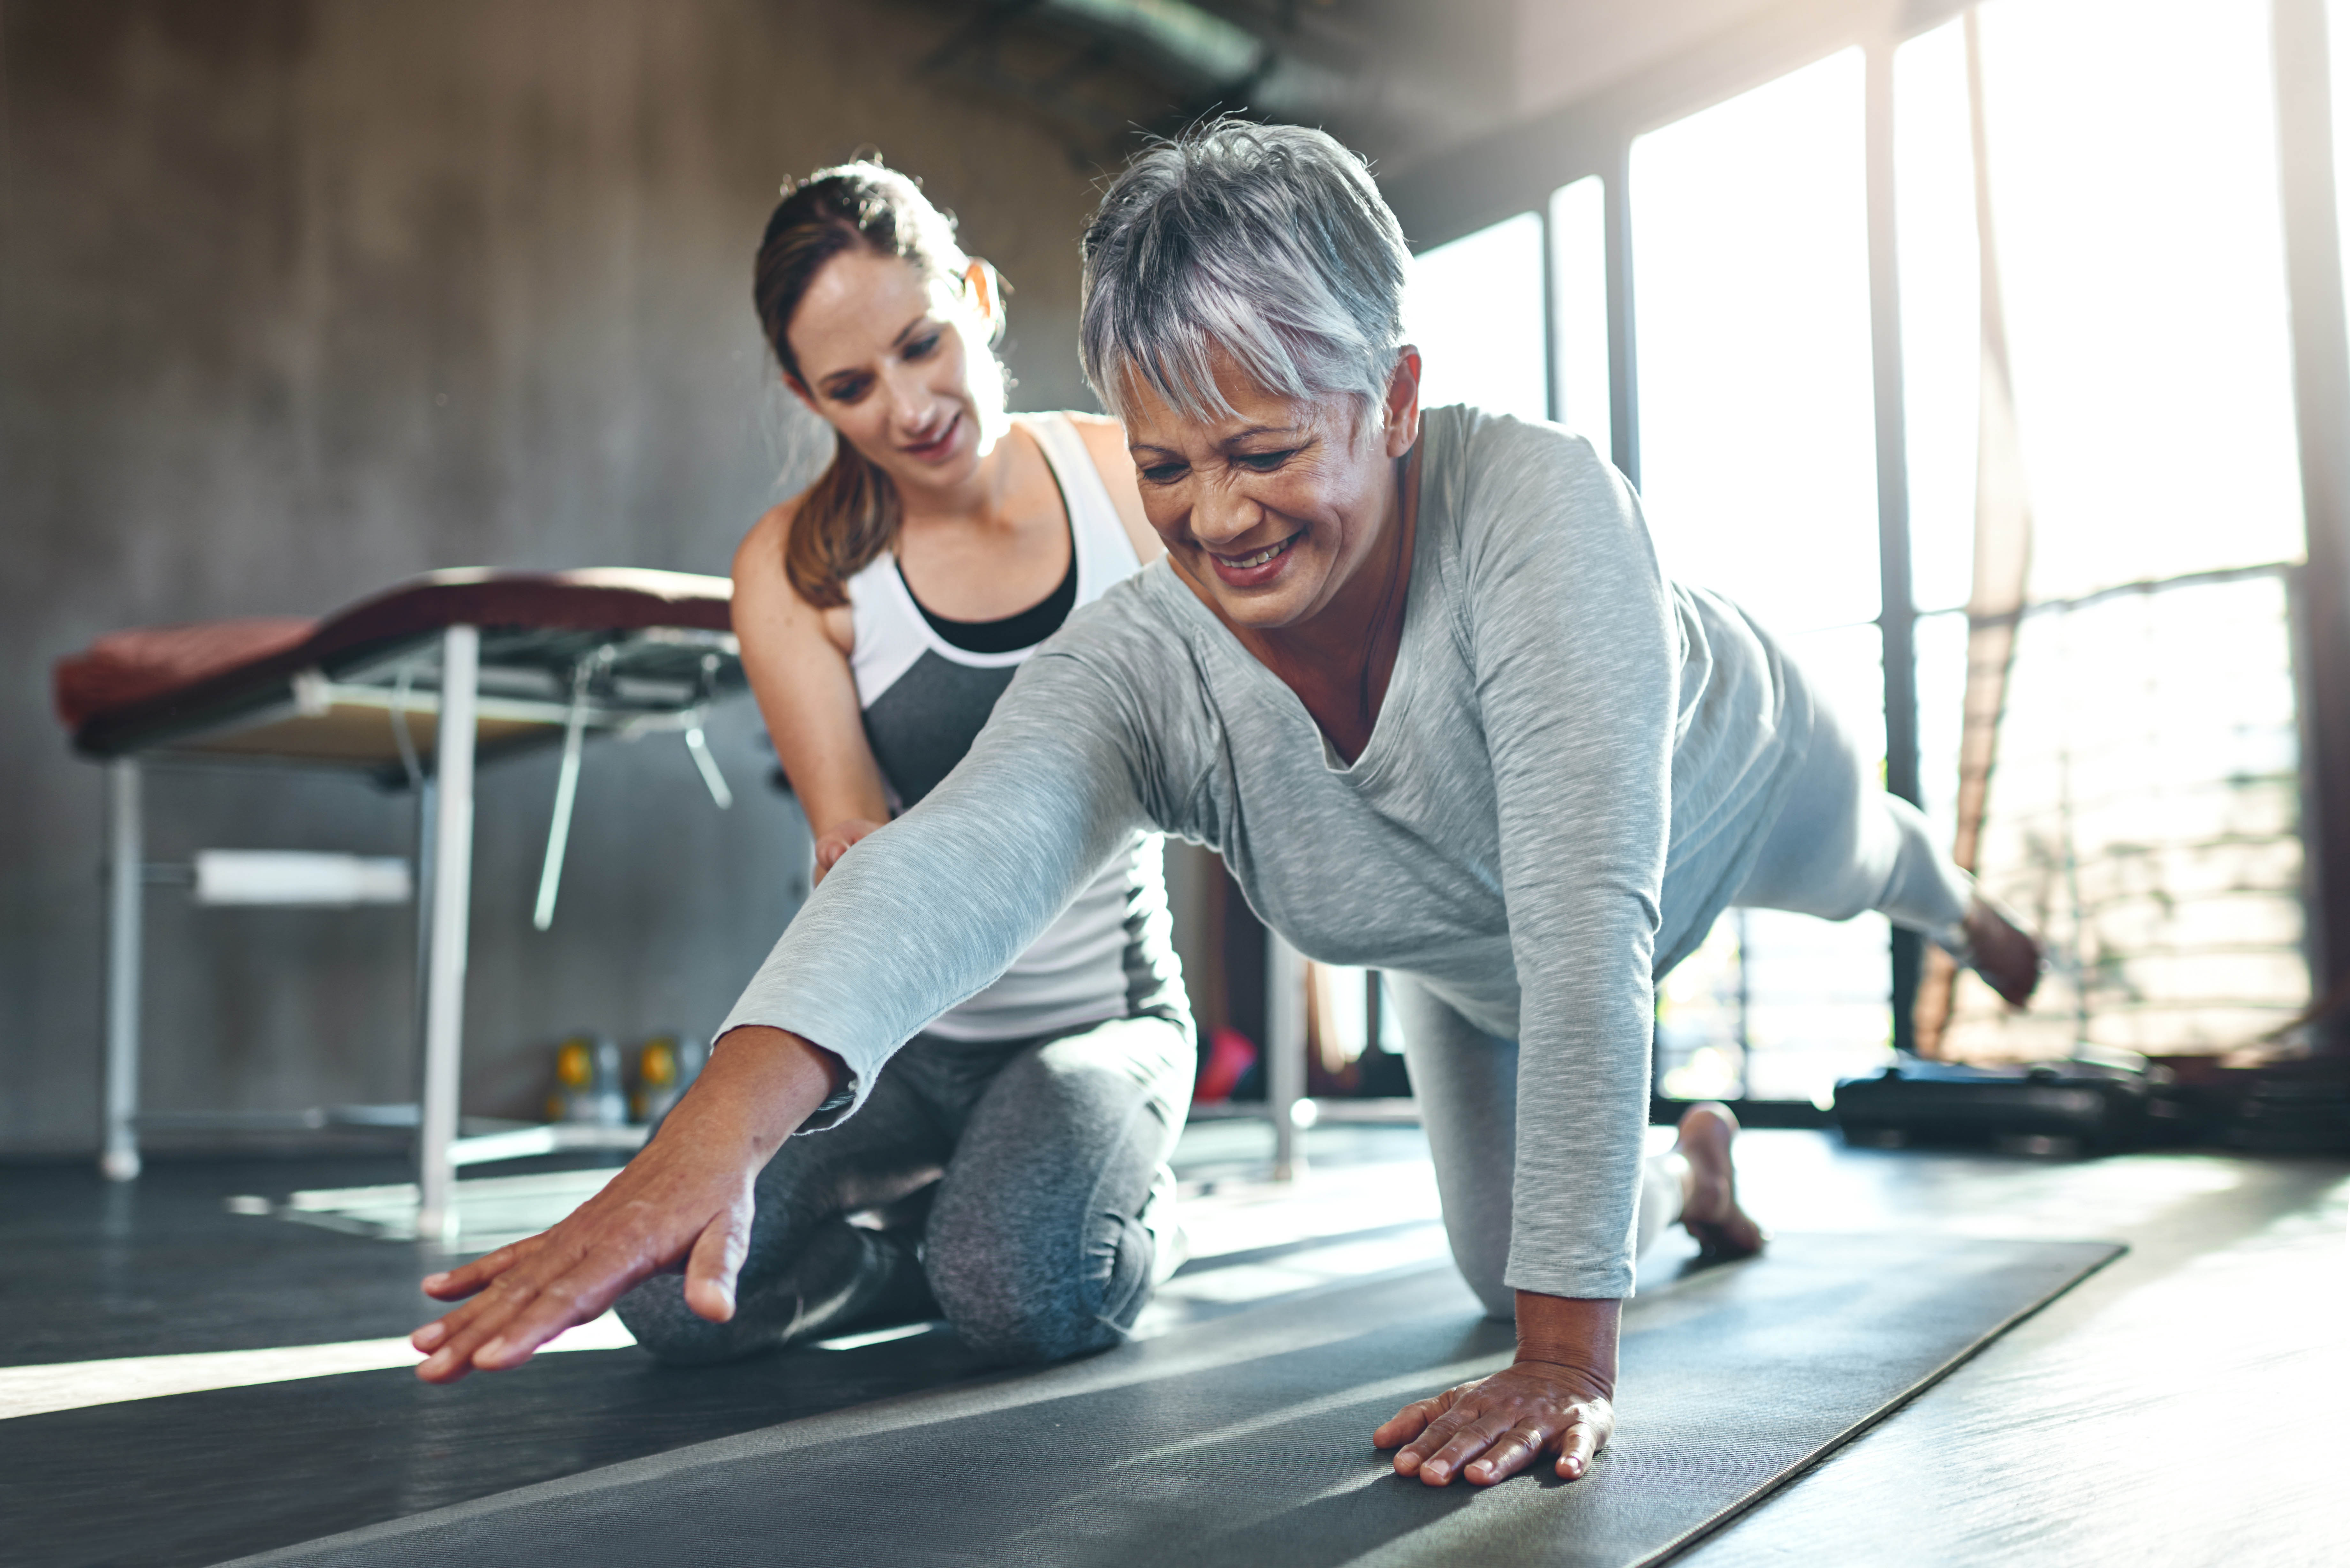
x,y
667,1065
283,877
405,687
587,1084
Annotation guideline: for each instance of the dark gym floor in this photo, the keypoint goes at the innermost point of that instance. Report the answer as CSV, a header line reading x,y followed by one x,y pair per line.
x,y
2180,1406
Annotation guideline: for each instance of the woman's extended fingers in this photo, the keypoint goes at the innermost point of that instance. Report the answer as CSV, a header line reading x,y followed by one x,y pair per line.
x,y
436,1334
466,1285
1411,1421
1479,1425
521,1310
471,1284
1513,1451
1581,1445
457,1284
1490,1430
1447,1413
578,1296
545,1285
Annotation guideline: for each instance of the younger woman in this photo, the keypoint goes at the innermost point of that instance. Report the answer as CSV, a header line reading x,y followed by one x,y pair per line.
x,y
882,613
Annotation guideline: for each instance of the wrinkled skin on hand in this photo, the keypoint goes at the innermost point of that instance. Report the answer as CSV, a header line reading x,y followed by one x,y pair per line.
x,y
1557,1398
685,1200
1491,1429
657,1211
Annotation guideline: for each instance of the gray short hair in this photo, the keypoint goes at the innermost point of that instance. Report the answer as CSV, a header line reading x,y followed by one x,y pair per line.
x,y
1267,242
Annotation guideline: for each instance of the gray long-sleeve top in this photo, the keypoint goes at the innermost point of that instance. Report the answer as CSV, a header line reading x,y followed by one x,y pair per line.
x,y
1572,768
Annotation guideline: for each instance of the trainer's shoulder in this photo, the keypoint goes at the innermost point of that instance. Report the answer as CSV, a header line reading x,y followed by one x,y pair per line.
x,y
1103,437
762,549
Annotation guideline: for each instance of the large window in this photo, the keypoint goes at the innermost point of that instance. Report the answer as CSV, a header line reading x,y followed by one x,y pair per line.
x,y
2143,807
2337,39
1475,308
1580,395
1759,473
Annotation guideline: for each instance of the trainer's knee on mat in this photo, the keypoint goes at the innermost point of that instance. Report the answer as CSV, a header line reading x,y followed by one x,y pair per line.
x,y
657,1314
1018,1303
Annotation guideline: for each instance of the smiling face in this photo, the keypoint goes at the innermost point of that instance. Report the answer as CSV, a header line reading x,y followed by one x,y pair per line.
x,y
884,357
1271,511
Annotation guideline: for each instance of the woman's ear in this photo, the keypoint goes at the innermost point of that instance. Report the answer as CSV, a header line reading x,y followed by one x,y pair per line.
x,y
1400,415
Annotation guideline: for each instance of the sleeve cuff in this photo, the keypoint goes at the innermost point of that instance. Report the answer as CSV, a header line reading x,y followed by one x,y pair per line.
x,y
1606,1282
838,1105
856,1084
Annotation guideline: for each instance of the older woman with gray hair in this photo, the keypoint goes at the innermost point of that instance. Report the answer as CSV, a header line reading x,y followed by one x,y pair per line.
x,y
1417,675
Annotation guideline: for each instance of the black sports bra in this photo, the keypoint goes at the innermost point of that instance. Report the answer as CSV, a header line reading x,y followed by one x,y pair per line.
x,y
1023,629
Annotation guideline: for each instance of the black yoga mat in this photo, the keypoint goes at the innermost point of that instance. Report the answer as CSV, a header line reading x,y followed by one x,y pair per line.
x,y
1247,1440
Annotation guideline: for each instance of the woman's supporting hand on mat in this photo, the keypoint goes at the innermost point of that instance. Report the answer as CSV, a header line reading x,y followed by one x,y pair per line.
x,y
1555,1399
686,1198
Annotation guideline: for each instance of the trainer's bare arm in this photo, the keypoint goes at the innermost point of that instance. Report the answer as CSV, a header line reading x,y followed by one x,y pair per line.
x,y
796,655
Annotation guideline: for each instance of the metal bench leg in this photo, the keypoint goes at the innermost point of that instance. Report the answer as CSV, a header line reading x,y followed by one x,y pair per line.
x,y
444,981
126,878
566,796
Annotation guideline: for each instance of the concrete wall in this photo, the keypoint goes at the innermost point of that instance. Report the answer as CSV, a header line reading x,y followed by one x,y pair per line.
x,y
299,298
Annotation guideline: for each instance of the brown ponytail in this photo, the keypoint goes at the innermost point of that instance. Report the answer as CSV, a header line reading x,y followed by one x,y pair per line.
x,y
848,517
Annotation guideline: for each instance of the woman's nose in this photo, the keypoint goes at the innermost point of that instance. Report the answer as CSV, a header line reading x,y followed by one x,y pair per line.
x,y
1223,511
909,402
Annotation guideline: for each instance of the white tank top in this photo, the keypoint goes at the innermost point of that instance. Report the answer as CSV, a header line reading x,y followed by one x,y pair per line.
x,y
925,699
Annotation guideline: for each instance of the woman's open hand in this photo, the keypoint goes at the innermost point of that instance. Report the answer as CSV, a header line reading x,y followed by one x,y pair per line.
x,y
1557,1398
687,1196
1491,1429
671,1202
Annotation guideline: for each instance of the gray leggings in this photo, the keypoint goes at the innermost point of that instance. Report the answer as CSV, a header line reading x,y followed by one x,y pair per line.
x,y
1840,846
1019,1188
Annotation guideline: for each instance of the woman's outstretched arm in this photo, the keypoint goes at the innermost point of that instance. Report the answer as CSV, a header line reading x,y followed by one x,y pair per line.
x,y
929,912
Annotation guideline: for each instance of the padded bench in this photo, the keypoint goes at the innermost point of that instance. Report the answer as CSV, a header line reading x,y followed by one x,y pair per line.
x,y
410,687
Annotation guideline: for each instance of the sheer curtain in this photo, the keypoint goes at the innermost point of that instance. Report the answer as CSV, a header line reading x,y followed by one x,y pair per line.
x,y
2143,811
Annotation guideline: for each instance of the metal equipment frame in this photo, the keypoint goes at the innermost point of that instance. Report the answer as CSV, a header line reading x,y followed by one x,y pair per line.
x,y
531,686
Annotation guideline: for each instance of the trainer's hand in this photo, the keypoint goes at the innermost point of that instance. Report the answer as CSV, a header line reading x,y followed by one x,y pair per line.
x,y
837,840
1557,1398
686,1196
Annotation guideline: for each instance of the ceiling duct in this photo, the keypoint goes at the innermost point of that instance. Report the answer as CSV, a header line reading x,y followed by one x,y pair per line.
x,y
1103,71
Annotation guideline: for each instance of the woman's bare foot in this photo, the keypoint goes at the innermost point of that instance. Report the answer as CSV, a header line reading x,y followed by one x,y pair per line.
x,y
1709,1209
2003,953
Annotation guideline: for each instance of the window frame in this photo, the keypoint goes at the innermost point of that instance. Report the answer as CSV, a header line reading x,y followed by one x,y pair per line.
x,y
1518,169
